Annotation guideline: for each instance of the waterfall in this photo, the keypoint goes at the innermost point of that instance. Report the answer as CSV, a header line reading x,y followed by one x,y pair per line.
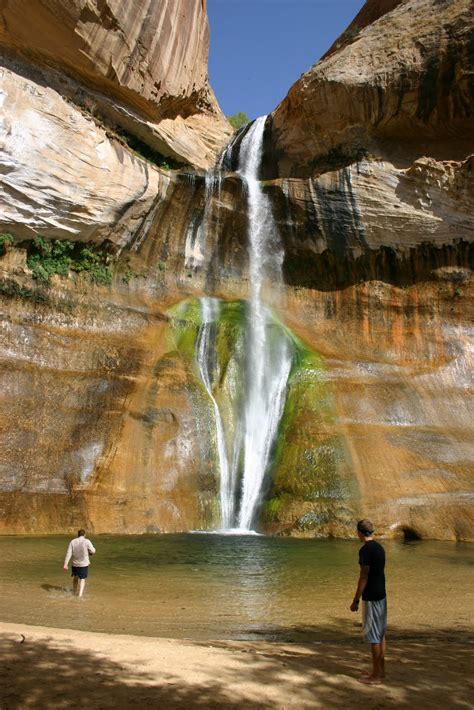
x,y
227,157
268,351
195,246
269,354
285,188
205,356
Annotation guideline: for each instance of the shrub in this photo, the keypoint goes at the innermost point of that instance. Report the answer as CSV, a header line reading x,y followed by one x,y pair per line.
x,y
12,289
95,264
6,240
128,275
46,258
143,150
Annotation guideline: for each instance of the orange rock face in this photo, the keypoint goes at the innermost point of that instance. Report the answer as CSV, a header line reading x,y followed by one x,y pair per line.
x,y
375,144
105,420
98,415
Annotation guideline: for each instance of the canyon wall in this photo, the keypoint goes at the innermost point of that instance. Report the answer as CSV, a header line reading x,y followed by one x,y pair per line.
x,y
375,147
369,169
399,88
140,70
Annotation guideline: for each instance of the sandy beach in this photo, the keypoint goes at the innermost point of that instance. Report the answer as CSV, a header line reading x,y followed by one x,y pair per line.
x,y
60,668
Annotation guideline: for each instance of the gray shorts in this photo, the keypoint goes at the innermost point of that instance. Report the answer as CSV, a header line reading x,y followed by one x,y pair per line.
x,y
374,620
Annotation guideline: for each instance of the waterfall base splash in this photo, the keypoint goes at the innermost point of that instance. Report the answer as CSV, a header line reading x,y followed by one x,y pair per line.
x,y
228,531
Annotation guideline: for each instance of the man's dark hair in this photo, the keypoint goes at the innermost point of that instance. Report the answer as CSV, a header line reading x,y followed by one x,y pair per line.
x,y
81,532
365,527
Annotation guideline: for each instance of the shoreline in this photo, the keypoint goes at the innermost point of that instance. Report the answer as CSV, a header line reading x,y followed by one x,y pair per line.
x,y
62,668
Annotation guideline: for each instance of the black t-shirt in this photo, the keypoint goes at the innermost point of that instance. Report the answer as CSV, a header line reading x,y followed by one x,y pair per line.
x,y
373,555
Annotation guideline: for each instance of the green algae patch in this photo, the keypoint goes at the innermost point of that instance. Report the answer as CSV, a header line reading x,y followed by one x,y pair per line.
x,y
185,320
273,508
229,336
309,488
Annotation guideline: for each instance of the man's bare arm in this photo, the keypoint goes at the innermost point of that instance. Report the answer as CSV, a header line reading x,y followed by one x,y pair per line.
x,y
68,556
361,585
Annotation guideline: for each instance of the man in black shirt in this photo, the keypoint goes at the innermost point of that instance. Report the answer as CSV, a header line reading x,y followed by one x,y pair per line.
x,y
371,587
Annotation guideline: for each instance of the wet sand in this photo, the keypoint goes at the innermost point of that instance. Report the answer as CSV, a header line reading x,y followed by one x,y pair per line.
x,y
59,668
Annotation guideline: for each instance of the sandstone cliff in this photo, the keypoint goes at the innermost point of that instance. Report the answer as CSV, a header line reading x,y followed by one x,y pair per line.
x,y
141,67
370,12
400,88
375,145
106,420
125,441
62,176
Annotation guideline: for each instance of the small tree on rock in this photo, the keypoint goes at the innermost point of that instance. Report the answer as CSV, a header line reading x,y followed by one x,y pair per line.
x,y
238,120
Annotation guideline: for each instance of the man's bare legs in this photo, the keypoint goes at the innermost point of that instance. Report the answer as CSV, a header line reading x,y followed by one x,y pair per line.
x,y
78,586
378,664
378,650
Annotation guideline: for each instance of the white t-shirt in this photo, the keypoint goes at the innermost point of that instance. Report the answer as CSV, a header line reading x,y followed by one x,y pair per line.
x,y
79,549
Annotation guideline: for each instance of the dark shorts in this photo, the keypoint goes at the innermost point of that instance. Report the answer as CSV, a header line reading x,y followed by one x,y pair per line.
x,y
80,572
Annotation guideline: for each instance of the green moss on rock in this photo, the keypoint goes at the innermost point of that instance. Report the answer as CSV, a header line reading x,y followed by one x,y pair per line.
x,y
308,481
185,319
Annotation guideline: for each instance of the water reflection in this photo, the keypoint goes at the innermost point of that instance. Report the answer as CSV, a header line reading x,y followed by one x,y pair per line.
x,y
257,579
220,586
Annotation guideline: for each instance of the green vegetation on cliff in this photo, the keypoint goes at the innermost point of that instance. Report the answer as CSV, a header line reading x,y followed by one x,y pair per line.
x,y
185,319
6,240
129,140
46,258
143,150
225,374
11,289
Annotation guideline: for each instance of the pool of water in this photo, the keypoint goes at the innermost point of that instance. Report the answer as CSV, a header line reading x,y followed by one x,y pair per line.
x,y
233,587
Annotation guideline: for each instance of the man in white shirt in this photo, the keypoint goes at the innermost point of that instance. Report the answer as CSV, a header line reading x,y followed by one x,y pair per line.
x,y
79,550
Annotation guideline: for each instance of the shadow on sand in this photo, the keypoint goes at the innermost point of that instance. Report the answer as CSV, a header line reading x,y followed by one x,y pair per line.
x,y
422,673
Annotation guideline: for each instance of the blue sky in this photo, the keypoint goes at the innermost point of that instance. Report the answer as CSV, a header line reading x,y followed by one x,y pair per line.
x,y
259,48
